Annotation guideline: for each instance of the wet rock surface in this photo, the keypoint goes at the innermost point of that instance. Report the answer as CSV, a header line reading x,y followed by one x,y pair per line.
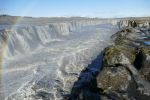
x,y
125,70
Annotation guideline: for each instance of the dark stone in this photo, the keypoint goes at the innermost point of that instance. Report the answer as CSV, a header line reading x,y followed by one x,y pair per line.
x,y
138,91
138,63
118,78
85,88
44,95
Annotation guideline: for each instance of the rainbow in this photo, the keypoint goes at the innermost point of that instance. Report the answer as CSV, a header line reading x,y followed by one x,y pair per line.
x,y
3,50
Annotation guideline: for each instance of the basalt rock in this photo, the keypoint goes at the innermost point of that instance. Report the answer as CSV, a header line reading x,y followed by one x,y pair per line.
x,y
126,65
114,79
125,71
134,23
85,88
145,63
118,55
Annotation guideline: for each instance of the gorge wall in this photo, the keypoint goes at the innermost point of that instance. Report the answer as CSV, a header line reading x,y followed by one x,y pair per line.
x,y
27,34
125,70
70,45
45,56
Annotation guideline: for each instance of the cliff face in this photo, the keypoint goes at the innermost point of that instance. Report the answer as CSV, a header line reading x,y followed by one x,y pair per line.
x,y
133,22
125,72
46,56
28,36
65,46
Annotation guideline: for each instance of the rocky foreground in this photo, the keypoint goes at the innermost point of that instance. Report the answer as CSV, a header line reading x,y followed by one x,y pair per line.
x,y
125,71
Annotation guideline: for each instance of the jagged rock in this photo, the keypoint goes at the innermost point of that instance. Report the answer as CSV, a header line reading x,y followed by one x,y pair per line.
x,y
146,69
139,90
85,88
116,55
138,59
114,78
123,33
127,36
145,66
119,77
134,23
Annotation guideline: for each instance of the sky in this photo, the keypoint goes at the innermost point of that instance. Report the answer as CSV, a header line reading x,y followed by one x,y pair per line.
x,y
69,8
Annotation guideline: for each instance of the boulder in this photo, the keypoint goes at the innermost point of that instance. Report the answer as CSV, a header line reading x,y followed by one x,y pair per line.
x,y
145,68
118,55
126,66
114,79
139,90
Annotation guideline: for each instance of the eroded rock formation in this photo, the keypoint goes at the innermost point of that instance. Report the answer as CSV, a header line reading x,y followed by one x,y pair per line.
x,y
126,65
125,73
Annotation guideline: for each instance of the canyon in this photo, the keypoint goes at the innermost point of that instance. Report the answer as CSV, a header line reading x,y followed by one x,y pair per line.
x,y
44,58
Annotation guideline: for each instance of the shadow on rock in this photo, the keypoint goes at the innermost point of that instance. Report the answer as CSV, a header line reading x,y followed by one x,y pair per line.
x,y
85,88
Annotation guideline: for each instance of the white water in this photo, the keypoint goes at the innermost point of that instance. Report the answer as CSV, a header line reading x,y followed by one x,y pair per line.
x,y
50,62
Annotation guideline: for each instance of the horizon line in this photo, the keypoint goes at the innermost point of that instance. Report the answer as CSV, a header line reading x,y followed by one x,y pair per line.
x,y
74,16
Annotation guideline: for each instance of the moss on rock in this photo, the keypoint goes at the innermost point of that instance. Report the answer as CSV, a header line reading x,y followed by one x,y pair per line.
x,y
118,55
114,79
121,60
